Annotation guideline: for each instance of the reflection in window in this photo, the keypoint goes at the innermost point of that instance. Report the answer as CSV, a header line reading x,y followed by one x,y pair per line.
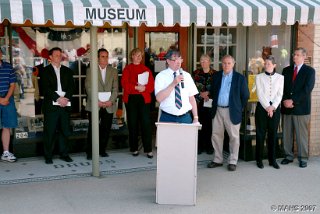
x,y
30,54
269,40
156,46
216,42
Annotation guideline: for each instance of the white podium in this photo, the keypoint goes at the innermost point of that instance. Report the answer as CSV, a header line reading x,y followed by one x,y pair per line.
x,y
176,163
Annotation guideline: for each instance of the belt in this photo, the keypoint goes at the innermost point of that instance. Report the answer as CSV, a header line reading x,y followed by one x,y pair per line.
x,y
172,115
223,106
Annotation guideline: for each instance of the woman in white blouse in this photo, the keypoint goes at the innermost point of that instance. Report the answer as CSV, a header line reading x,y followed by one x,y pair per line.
x,y
267,117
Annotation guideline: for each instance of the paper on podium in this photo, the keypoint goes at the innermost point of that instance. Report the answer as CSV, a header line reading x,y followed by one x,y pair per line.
x,y
104,96
143,78
61,94
208,103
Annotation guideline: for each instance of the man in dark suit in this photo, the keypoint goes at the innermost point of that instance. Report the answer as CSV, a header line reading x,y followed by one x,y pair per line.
x,y
57,86
299,81
230,93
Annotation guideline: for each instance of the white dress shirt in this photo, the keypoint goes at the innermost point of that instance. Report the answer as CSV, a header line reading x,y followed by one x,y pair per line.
x,y
163,80
103,73
269,89
57,71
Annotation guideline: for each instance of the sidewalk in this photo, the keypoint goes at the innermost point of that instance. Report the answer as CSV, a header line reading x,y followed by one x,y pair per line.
x,y
245,191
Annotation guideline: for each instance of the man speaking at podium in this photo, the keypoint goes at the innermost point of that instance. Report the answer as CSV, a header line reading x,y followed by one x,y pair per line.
x,y
175,90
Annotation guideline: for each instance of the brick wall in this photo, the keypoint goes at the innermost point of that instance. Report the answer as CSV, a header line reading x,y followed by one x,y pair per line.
x,y
309,37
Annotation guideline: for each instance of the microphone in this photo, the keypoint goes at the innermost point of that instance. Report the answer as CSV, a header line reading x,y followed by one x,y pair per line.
x,y
182,81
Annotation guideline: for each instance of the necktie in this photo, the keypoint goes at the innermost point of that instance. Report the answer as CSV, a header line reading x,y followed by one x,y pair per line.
x,y
295,72
177,99
59,87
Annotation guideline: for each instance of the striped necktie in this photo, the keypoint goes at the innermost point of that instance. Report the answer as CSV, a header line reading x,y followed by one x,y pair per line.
x,y
177,99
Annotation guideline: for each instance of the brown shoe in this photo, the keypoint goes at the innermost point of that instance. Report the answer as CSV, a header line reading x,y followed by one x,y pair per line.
x,y
214,164
232,167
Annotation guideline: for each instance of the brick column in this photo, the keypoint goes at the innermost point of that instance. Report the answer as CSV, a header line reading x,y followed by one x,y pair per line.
x,y
309,38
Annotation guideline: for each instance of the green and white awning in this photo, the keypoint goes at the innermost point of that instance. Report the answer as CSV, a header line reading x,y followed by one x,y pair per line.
x,y
167,12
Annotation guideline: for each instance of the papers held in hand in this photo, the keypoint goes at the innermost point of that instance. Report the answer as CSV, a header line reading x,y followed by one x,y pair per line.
x,y
104,96
61,94
208,103
143,78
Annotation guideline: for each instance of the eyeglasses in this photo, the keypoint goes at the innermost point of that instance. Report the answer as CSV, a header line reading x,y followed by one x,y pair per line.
x,y
177,60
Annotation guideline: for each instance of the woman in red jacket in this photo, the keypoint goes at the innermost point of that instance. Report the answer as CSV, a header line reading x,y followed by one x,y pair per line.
x,y
137,98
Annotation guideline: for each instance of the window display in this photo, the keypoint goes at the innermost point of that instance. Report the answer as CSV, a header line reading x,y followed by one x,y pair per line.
x,y
30,54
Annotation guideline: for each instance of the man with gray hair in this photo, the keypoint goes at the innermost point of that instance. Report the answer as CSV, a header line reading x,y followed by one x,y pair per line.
x,y
230,93
299,81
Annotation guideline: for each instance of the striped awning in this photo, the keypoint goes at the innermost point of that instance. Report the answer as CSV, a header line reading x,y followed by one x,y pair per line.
x,y
167,12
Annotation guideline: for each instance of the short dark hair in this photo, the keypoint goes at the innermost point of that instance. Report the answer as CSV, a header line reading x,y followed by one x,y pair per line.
x,y
271,58
54,49
102,50
172,52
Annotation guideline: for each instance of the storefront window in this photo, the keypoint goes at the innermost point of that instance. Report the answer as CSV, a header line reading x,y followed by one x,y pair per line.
x,y
268,40
30,54
264,41
217,42
157,45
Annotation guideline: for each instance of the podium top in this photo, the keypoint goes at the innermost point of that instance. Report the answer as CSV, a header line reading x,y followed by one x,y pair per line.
x,y
179,124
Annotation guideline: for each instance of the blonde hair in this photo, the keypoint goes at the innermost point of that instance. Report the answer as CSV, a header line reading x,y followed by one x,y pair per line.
x,y
135,51
205,56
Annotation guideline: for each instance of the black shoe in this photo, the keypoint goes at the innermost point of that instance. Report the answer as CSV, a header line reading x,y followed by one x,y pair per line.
x,y
199,151
232,167
136,153
214,164
150,155
66,158
303,164
89,157
49,161
274,164
104,154
286,161
210,151
260,164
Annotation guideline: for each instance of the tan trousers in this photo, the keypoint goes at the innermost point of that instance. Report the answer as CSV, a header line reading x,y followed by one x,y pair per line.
x,y
220,123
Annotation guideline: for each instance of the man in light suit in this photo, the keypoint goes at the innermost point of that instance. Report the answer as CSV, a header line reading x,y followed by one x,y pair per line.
x,y
299,81
57,85
107,82
230,93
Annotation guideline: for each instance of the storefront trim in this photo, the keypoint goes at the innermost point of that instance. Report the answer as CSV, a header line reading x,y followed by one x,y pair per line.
x,y
154,12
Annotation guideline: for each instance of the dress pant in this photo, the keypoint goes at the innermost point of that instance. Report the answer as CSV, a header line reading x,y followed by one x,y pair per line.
x,y
204,136
266,124
296,125
56,121
138,116
170,118
105,123
221,123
